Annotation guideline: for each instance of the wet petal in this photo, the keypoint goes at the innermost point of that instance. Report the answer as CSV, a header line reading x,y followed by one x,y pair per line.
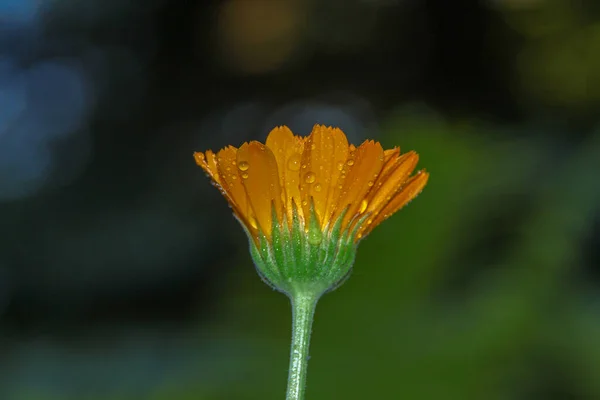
x,y
325,151
364,166
232,183
287,149
208,162
390,181
260,177
409,191
390,153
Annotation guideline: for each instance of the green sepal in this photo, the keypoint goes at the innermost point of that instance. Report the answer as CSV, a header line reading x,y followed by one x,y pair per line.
x,y
300,257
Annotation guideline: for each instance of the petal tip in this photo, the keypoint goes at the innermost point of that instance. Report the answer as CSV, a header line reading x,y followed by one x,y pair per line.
x,y
200,158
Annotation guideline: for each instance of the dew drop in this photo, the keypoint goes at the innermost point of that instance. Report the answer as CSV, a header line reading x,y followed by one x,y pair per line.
x,y
370,183
243,166
252,221
313,146
340,166
304,202
318,187
363,206
309,177
293,163
245,175
233,177
350,162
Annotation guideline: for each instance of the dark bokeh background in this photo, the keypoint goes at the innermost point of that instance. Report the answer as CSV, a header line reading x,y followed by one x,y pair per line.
x,y
124,276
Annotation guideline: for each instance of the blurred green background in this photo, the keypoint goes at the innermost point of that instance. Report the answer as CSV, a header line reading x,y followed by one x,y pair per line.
x,y
123,274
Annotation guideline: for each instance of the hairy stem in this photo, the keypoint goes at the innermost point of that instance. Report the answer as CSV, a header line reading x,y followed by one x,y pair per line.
x,y
303,310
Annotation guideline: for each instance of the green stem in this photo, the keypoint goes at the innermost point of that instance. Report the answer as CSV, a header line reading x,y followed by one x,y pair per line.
x,y
303,310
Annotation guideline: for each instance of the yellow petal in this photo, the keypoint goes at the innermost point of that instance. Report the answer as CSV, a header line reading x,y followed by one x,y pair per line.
x,y
208,162
390,181
232,184
409,191
258,171
287,149
390,153
364,166
325,152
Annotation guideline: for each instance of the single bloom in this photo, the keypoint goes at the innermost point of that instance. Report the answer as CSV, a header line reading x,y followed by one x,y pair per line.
x,y
306,202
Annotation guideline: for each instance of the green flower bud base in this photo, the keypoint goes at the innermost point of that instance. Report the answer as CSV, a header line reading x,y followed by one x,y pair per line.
x,y
304,262
304,259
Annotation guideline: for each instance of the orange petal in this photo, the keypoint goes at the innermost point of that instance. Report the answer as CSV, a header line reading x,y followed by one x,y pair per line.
x,y
391,181
325,152
208,163
364,167
258,170
232,183
287,149
390,153
409,191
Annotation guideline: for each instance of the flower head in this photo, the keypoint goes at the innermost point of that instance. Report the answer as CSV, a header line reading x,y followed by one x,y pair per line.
x,y
294,192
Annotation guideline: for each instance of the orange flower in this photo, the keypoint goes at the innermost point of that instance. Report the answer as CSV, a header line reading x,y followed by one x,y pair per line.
x,y
305,204
320,175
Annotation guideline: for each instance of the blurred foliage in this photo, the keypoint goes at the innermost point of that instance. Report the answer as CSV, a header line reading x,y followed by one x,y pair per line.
x,y
394,329
123,275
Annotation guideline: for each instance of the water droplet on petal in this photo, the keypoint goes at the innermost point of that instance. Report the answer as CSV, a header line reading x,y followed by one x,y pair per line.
x,y
309,177
318,187
363,206
350,162
304,202
245,175
340,166
233,177
294,162
370,183
252,221
243,166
